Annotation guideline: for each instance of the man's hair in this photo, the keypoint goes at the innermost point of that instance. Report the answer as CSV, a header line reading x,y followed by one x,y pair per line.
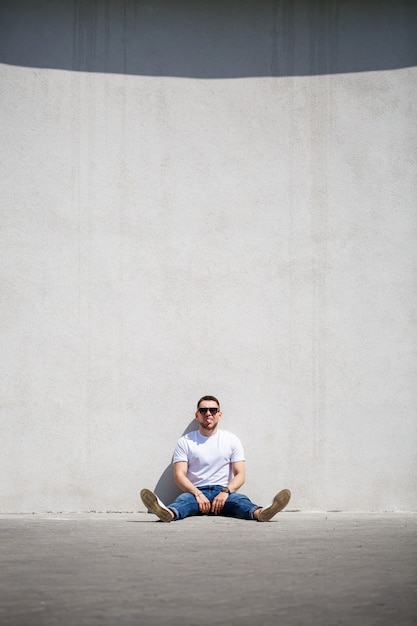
x,y
212,398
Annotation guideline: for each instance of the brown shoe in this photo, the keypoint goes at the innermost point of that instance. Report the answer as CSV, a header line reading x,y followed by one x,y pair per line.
x,y
154,504
280,501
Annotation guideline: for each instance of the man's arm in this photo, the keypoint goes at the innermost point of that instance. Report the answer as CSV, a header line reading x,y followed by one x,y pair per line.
x,y
185,484
180,478
239,476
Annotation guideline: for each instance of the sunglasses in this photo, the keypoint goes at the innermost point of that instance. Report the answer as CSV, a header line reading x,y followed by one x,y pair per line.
x,y
213,410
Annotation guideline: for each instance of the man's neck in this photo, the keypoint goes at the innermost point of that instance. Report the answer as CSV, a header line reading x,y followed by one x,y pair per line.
x,y
208,432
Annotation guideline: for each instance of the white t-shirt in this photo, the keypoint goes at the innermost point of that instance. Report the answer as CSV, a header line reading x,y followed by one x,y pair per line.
x,y
209,458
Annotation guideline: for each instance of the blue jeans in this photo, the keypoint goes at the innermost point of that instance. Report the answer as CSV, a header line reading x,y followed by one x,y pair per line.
x,y
236,505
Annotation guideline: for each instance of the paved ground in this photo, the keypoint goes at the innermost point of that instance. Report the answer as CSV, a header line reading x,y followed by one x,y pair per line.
x,y
128,569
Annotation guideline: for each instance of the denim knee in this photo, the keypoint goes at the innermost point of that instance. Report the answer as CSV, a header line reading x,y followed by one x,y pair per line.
x,y
239,505
184,506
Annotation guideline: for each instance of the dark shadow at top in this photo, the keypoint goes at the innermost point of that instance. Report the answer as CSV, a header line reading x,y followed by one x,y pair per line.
x,y
210,38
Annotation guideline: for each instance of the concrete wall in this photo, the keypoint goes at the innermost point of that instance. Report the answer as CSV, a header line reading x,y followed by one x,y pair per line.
x,y
208,197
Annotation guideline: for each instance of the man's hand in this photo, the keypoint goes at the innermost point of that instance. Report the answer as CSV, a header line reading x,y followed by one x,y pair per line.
x,y
203,503
219,502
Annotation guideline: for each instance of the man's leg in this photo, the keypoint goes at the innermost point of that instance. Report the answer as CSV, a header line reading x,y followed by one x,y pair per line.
x,y
239,505
183,506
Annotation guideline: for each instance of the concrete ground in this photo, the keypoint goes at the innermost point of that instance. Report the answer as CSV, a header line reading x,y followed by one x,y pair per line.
x,y
110,569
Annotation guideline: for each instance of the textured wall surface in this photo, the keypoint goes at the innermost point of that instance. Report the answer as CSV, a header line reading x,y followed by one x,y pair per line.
x,y
208,197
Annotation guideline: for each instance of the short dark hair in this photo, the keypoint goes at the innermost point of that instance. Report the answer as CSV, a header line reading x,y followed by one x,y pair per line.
x,y
212,398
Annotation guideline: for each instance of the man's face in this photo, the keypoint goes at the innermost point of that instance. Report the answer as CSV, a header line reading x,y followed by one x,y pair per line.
x,y
208,420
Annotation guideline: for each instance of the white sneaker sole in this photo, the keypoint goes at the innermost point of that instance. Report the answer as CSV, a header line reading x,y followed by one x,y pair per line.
x,y
153,503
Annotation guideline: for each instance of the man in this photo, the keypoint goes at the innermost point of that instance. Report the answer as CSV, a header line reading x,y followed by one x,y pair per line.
x,y
209,468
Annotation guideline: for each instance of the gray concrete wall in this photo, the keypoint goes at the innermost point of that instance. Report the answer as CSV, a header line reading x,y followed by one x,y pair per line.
x,y
208,197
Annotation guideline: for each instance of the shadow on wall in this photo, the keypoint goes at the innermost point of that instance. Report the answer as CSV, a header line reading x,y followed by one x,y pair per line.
x,y
165,488
210,38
